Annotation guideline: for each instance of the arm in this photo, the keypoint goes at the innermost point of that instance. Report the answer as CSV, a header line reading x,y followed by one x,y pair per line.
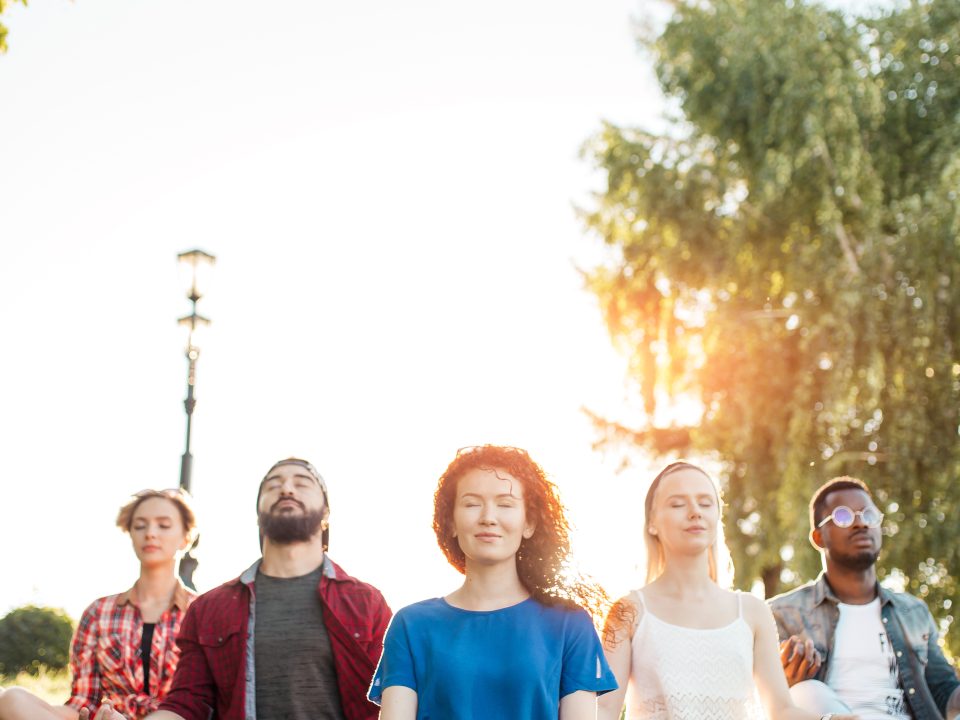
x,y
84,669
579,705
767,668
398,703
939,674
618,630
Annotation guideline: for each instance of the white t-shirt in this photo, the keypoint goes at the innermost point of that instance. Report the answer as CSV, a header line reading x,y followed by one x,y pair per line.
x,y
863,667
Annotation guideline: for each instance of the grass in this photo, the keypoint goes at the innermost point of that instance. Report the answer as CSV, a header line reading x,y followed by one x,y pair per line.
x,y
50,685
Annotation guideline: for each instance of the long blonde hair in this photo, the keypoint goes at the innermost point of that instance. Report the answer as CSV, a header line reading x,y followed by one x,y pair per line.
x,y
718,555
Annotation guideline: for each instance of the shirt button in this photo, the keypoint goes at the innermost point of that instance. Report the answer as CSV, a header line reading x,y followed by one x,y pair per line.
x,y
356,635
884,621
899,654
911,691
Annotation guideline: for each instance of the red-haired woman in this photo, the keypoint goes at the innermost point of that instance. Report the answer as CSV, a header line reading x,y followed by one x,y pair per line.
x,y
514,640
687,646
123,652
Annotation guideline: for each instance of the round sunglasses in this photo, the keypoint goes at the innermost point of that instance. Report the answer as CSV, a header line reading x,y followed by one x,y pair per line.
x,y
844,517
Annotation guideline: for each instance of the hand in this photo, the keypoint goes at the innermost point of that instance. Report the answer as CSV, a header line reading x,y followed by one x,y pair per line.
x,y
104,713
845,717
800,660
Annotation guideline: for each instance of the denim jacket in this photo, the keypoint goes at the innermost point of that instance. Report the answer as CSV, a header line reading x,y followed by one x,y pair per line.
x,y
927,678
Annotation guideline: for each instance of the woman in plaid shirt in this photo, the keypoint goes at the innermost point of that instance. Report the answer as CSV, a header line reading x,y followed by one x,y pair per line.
x,y
123,652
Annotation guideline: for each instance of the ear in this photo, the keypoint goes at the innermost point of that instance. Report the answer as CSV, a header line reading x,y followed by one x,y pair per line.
x,y
816,539
529,529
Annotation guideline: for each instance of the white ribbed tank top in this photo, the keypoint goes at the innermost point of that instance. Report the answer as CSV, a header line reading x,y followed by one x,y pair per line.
x,y
680,673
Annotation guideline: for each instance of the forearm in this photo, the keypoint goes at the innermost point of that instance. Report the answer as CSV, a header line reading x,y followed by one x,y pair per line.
x,y
163,715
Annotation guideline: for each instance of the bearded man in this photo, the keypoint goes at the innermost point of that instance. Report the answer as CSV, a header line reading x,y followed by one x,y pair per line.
x,y
294,636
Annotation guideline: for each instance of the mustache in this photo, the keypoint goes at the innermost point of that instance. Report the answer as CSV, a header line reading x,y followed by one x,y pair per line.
x,y
293,500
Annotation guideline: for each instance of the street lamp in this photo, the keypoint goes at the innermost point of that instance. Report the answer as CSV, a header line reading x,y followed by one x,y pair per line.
x,y
195,264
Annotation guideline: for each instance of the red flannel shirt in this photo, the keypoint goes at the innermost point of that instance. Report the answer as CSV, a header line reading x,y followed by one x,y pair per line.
x,y
105,657
215,677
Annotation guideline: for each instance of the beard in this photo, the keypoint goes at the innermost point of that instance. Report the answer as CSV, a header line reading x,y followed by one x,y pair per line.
x,y
287,529
856,561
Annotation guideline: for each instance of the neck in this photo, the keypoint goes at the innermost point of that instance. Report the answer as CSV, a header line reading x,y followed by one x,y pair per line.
x,y
292,560
157,582
489,587
686,576
853,587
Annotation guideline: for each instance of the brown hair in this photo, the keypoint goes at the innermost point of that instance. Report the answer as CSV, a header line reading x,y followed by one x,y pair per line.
x,y
543,559
178,496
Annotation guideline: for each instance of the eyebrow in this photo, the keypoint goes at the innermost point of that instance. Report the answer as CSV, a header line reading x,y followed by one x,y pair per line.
x,y
141,518
501,495
296,475
684,497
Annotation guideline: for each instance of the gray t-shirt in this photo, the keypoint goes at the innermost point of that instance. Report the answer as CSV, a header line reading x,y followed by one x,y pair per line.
x,y
295,673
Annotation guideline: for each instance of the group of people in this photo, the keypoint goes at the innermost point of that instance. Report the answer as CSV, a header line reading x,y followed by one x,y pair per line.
x,y
295,637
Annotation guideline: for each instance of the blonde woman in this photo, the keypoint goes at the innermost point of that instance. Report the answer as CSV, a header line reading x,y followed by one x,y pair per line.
x,y
123,652
687,647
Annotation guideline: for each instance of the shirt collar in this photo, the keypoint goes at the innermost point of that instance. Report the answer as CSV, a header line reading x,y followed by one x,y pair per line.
x,y
181,597
248,576
822,591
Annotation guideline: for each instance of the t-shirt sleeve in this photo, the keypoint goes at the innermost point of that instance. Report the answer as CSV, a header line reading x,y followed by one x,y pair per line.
x,y
396,662
584,665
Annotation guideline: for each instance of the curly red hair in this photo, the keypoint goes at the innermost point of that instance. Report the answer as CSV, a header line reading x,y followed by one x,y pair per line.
x,y
543,560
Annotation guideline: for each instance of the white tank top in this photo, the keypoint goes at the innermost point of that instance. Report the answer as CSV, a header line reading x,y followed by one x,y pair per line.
x,y
680,673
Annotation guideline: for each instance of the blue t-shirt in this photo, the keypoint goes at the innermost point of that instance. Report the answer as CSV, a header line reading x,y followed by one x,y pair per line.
x,y
514,662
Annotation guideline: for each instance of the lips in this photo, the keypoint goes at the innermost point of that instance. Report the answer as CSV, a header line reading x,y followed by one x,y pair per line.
x,y
487,537
287,502
150,548
696,529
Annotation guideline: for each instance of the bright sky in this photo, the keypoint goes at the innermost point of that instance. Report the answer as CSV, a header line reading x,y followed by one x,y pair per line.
x,y
389,189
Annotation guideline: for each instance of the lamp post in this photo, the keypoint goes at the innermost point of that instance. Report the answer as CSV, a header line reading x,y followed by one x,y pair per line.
x,y
195,263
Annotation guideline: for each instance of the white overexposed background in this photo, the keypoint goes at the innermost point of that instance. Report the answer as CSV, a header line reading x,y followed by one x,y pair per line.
x,y
390,192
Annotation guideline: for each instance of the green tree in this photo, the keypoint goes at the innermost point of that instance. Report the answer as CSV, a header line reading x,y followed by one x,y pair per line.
x,y
32,637
787,253
3,28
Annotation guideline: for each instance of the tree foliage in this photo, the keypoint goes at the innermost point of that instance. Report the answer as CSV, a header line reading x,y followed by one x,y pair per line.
x,y
788,254
32,637
3,28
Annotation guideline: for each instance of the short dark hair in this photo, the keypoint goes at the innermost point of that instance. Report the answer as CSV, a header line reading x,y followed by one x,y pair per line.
x,y
818,504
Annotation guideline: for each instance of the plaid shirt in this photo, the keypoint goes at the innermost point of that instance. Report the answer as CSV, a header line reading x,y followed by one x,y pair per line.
x,y
216,674
105,657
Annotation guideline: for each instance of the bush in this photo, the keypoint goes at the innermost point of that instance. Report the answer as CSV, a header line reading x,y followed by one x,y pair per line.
x,y
32,637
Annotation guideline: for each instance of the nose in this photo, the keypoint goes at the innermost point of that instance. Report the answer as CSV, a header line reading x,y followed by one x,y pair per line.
x,y
695,512
151,530
487,516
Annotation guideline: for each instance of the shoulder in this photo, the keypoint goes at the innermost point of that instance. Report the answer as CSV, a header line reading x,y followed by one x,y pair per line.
x,y
233,592
800,596
103,605
425,611
907,603
344,583
753,607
